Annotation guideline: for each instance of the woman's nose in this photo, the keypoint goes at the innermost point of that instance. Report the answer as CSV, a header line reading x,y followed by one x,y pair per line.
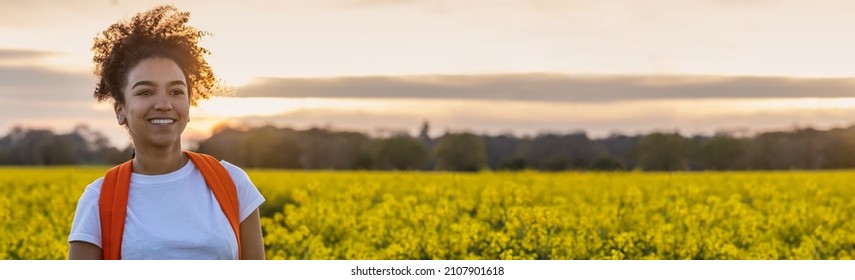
x,y
161,102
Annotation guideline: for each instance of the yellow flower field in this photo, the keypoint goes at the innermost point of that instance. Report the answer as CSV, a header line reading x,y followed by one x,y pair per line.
x,y
529,215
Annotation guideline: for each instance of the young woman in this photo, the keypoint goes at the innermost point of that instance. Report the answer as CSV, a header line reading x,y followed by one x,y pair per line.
x,y
152,70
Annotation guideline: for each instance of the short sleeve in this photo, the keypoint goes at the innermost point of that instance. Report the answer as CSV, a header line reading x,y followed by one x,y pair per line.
x,y
87,223
249,198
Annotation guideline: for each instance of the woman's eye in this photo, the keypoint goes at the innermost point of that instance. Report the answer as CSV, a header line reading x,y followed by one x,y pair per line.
x,y
177,92
144,92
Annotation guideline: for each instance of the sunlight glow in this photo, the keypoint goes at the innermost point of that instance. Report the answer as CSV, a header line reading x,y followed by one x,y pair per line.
x,y
255,107
225,107
801,103
598,119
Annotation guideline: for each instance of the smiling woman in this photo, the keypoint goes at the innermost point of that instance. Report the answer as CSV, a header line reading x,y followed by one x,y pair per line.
x,y
164,203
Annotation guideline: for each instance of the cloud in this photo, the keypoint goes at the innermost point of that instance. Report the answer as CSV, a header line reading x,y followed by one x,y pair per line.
x,y
36,83
22,54
375,3
551,87
33,96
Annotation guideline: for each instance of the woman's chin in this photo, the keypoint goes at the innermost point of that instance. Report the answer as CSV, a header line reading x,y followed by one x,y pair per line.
x,y
165,142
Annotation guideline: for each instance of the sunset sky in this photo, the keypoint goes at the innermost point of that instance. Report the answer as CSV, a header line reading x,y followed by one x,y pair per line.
x,y
523,67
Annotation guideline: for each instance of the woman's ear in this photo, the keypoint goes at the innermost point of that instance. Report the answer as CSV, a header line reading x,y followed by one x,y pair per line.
x,y
120,113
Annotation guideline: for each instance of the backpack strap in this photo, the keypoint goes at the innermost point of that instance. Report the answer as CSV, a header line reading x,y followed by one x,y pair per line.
x,y
221,184
113,200
112,205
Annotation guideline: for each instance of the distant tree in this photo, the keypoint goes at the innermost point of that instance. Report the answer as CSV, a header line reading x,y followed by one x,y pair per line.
x,y
721,152
324,149
115,156
424,132
762,151
83,145
270,147
352,149
400,152
286,150
43,147
839,149
503,149
514,164
93,147
663,152
59,150
461,152
30,146
621,148
555,152
224,144
807,148
429,144
607,164
782,150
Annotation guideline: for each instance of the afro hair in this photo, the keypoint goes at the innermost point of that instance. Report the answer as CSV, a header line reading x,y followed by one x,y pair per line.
x,y
159,32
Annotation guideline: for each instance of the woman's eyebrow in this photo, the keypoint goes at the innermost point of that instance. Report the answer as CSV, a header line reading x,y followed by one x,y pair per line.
x,y
150,83
143,83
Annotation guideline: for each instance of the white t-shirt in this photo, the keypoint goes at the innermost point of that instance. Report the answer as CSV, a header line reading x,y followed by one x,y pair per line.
x,y
170,216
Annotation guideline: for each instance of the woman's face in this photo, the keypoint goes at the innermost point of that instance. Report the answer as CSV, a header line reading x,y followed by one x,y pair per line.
x,y
157,104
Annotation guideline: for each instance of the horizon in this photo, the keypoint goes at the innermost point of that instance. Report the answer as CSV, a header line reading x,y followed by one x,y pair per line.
x,y
190,141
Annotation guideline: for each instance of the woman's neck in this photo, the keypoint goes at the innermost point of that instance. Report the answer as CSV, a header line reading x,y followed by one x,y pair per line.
x,y
158,161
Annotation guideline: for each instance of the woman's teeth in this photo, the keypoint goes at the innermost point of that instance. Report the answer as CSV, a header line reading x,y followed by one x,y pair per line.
x,y
161,121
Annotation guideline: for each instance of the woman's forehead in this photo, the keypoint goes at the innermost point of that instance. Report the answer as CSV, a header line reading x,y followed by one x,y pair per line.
x,y
156,71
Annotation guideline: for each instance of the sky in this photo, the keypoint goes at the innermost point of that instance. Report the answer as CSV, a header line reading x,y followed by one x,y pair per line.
x,y
499,66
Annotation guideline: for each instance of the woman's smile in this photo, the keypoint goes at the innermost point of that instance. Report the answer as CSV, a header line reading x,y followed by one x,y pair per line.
x,y
161,121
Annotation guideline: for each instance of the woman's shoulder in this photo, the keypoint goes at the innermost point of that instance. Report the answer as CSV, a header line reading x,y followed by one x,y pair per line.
x,y
236,172
95,186
91,193
229,165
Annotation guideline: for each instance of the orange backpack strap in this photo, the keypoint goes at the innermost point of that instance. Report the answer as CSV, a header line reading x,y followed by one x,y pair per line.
x,y
222,186
113,201
112,205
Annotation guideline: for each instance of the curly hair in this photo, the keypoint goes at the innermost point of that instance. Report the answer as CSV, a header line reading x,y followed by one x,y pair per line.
x,y
159,32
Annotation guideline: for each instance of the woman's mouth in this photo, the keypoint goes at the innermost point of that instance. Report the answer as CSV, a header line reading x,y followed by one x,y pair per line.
x,y
161,121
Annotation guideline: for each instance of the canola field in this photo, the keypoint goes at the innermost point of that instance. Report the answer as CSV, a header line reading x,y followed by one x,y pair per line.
x,y
495,216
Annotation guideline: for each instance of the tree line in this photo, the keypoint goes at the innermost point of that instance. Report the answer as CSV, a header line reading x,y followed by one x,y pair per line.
x,y
316,148
83,145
